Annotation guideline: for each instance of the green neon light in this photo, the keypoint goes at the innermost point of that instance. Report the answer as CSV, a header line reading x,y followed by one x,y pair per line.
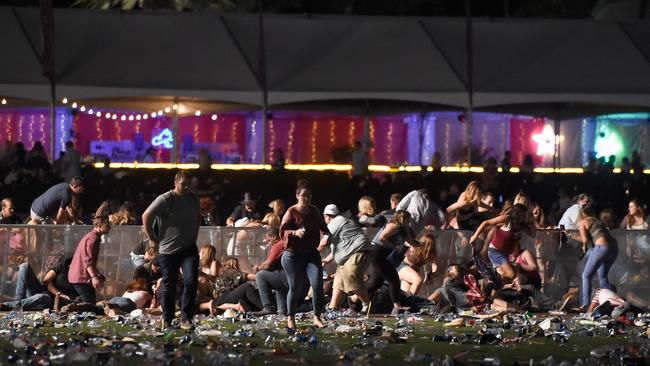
x,y
608,142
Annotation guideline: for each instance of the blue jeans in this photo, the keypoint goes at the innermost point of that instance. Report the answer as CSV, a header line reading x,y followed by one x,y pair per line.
x,y
600,260
296,266
269,282
170,264
30,293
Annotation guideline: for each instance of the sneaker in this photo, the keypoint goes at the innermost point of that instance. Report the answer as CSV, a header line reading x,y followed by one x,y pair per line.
x,y
364,308
265,311
187,325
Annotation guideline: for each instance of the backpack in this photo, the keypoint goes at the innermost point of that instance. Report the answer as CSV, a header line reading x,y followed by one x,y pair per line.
x,y
227,281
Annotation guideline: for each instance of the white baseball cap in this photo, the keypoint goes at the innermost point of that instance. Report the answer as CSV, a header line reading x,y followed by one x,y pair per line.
x,y
331,210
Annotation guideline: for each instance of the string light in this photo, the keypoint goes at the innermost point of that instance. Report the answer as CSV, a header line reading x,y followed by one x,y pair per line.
x,y
351,133
215,131
30,136
98,114
114,116
314,131
332,137
153,115
138,117
214,117
447,135
21,120
83,108
98,127
167,110
181,108
107,115
253,137
62,129
160,113
197,113
90,111
42,131
123,118
175,107
145,116
292,128
131,118
371,126
389,138
118,131
4,101
74,105
65,100
272,138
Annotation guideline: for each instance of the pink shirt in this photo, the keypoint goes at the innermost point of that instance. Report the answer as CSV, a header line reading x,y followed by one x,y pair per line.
x,y
86,254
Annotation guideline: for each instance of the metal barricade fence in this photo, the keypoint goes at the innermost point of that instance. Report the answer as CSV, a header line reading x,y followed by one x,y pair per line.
x,y
42,245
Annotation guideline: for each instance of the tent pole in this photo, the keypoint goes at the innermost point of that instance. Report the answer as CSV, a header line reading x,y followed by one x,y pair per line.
x,y
262,82
470,78
47,62
175,134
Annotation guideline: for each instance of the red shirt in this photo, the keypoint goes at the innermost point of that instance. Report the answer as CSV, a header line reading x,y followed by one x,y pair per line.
x,y
86,254
314,224
275,254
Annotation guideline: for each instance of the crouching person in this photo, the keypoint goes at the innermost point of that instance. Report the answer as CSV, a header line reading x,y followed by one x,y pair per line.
x,y
271,279
31,294
348,249
83,274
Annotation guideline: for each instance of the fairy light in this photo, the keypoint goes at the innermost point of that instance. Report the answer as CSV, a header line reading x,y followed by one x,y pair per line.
x,y
196,133
74,105
107,115
138,117
90,111
233,132
98,126
351,133
83,108
167,110
21,120
4,101
447,135
332,137
30,135
215,132
62,130
181,108
160,112
145,116
271,138
314,131
254,138
389,139
65,100
153,115
42,130
175,107
371,127
131,118
114,116
123,118
197,113
118,131
214,117
98,114
292,128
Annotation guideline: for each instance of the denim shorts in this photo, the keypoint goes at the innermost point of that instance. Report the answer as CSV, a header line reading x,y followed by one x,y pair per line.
x,y
497,258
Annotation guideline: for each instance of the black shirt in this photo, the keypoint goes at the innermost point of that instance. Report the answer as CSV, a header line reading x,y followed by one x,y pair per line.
x,y
61,279
11,220
240,212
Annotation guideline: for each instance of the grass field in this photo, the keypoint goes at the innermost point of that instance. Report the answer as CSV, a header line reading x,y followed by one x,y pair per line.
x,y
133,342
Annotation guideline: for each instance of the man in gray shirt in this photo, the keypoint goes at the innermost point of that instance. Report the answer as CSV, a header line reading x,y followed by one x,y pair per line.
x,y
178,215
348,250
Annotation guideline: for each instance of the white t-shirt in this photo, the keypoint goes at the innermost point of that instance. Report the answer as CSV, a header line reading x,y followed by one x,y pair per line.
x,y
140,298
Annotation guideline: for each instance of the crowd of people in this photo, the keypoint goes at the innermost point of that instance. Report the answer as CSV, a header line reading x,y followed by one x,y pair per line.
x,y
383,272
